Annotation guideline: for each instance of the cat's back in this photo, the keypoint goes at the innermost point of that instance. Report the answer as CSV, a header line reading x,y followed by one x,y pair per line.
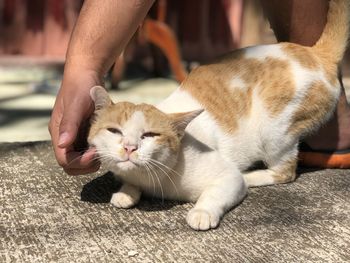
x,y
257,81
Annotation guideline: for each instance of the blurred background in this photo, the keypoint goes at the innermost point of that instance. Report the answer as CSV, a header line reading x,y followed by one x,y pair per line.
x,y
176,36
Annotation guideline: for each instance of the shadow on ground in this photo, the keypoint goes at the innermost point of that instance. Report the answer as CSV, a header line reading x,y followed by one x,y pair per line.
x,y
101,189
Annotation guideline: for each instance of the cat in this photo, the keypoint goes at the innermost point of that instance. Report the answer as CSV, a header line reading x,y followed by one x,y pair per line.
x,y
253,104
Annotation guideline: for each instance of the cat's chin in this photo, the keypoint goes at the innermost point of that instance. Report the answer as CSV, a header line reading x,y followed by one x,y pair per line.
x,y
127,165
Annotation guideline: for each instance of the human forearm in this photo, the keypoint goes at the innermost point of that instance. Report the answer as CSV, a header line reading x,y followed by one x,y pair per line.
x,y
102,31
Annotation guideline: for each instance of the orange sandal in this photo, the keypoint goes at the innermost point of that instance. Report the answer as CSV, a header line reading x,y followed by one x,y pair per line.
x,y
309,157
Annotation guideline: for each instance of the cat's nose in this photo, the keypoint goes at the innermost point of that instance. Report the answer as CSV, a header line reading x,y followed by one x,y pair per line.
x,y
130,148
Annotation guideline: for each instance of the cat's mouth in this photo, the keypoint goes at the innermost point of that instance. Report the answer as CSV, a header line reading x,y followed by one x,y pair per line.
x,y
128,160
128,163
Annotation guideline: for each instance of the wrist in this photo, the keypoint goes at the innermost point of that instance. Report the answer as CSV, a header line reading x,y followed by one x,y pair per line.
x,y
94,63
81,77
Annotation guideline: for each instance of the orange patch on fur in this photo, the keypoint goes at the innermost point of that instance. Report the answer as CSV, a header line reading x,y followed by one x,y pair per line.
x,y
212,86
303,55
286,173
116,114
277,87
209,85
331,71
317,104
160,122
308,58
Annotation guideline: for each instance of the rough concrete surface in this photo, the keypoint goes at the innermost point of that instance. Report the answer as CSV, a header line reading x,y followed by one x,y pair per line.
x,y
48,216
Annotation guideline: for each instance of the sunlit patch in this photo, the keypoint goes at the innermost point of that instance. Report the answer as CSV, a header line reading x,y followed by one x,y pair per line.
x,y
237,83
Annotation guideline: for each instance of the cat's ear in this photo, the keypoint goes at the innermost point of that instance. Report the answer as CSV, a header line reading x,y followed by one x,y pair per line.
x,y
100,97
181,120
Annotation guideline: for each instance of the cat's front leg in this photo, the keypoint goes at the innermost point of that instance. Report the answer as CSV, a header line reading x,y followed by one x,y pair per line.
x,y
215,200
127,196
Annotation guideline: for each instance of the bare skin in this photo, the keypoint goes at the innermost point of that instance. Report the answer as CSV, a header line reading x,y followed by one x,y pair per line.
x,y
103,30
302,22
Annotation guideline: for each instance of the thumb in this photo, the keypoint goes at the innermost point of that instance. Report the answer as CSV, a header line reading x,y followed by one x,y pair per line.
x,y
69,127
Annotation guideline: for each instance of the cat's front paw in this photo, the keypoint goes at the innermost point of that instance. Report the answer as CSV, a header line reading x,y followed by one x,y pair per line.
x,y
200,219
123,200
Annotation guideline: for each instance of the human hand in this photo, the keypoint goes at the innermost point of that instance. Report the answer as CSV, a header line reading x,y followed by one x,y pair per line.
x,y
101,33
69,123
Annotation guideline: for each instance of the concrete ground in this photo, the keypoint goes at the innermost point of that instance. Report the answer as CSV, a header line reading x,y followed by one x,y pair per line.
x,y
48,216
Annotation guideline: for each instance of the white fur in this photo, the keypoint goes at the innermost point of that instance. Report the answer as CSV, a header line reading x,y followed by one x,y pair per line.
x,y
237,83
263,51
179,101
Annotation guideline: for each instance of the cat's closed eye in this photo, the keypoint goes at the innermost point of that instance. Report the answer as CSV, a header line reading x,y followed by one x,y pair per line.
x,y
114,130
149,134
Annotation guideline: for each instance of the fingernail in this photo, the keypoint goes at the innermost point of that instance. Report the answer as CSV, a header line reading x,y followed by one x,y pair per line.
x,y
63,138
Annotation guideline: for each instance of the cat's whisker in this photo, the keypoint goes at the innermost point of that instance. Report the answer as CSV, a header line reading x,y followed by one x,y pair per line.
x,y
106,154
159,182
166,174
159,166
102,158
146,168
149,179
165,166
79,156
154,175
74,159
96,159
81,152
160,185
151,176
105,157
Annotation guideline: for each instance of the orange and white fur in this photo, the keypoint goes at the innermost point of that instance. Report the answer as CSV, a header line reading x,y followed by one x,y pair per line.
x,y
251,105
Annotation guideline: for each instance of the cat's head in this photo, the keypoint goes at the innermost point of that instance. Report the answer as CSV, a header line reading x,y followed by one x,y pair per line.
x,y
132,137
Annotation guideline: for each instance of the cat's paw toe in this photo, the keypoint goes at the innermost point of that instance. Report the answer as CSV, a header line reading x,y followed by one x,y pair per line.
x,y
200,219
122,200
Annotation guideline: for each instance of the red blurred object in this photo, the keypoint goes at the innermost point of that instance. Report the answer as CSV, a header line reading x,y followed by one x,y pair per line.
x,y
37,28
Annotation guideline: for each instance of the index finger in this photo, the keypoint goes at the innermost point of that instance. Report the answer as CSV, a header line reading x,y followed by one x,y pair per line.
x,y
69,158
